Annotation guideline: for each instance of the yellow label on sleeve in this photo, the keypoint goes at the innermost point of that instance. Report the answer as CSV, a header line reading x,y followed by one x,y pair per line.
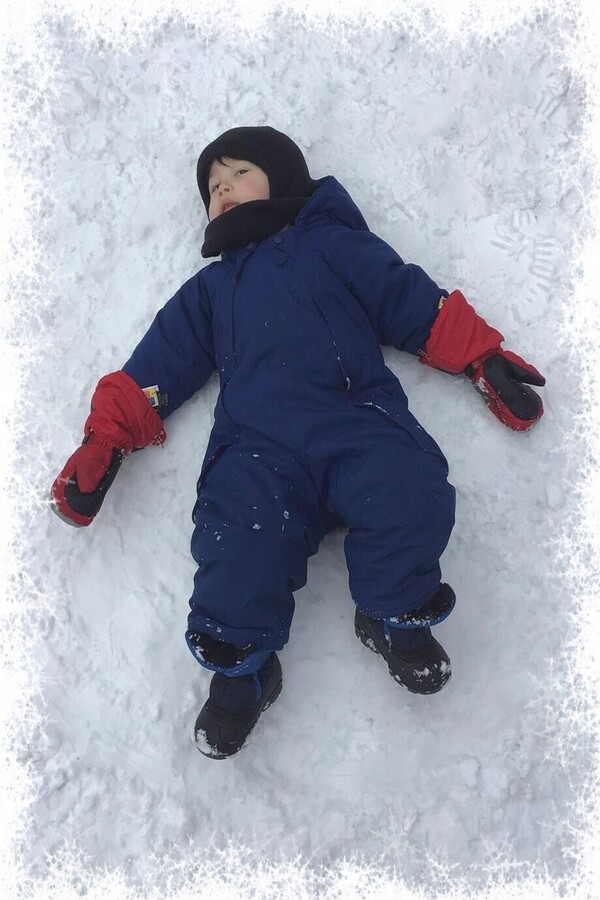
x,y
152,395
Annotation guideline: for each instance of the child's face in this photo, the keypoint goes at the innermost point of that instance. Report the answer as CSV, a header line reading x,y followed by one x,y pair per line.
x,y
232,182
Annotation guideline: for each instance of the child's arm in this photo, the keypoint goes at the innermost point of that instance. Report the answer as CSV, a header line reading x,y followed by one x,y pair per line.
x,y
408,310
175,357
399,299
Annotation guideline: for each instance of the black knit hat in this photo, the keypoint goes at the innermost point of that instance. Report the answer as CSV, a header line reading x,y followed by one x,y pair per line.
x,y
274,152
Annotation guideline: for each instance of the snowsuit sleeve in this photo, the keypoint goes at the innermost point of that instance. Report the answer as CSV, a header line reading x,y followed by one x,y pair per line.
x,y
177,353
400,300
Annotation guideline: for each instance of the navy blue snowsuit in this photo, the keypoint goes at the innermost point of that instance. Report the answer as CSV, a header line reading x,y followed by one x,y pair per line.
x,y
311,430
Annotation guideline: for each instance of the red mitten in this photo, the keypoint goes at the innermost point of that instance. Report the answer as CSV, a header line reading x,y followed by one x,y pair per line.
x,y
462,341
121,421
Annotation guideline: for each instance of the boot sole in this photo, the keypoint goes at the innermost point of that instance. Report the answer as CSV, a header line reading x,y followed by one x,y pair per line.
x,y
213,753
371,644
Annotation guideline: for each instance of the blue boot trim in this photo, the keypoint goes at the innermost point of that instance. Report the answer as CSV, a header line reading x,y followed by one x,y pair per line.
x,y
257,684
431,613
248,666
249,663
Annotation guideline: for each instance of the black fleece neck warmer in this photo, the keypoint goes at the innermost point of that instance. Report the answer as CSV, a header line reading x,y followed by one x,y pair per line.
x,y
290,186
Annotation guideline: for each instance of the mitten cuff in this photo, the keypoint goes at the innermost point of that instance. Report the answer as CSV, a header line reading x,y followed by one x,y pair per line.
x,y
458,336
122,416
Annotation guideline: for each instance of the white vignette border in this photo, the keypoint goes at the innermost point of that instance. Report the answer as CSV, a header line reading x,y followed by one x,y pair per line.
x,y
23,33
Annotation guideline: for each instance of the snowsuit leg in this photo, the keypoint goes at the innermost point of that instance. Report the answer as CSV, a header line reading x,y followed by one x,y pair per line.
x,y
393,495
257,520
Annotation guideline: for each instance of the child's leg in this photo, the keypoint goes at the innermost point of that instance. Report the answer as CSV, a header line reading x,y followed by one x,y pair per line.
x,y
399,508
393,494
257,519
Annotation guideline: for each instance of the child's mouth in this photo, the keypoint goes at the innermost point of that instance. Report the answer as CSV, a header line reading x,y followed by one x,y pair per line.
x,y
228,206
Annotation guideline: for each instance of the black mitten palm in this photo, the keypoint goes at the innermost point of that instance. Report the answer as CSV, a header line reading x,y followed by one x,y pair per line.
x,y
503,379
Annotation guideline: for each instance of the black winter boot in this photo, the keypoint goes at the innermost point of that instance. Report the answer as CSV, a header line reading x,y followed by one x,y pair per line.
x,y
233,708
415,659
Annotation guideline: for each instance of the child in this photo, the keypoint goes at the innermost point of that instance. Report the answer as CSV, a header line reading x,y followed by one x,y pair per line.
x,y
311,431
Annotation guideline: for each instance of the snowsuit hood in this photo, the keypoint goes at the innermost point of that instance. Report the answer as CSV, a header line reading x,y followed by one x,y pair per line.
x,y
333,202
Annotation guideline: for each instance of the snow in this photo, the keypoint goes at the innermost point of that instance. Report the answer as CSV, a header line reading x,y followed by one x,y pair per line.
x,y
465,149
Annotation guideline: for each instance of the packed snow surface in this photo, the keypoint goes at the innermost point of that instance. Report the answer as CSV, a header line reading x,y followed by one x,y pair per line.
x,y
463,155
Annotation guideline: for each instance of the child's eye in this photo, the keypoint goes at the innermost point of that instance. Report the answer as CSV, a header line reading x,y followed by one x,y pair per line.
x,y
242,171
213,188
